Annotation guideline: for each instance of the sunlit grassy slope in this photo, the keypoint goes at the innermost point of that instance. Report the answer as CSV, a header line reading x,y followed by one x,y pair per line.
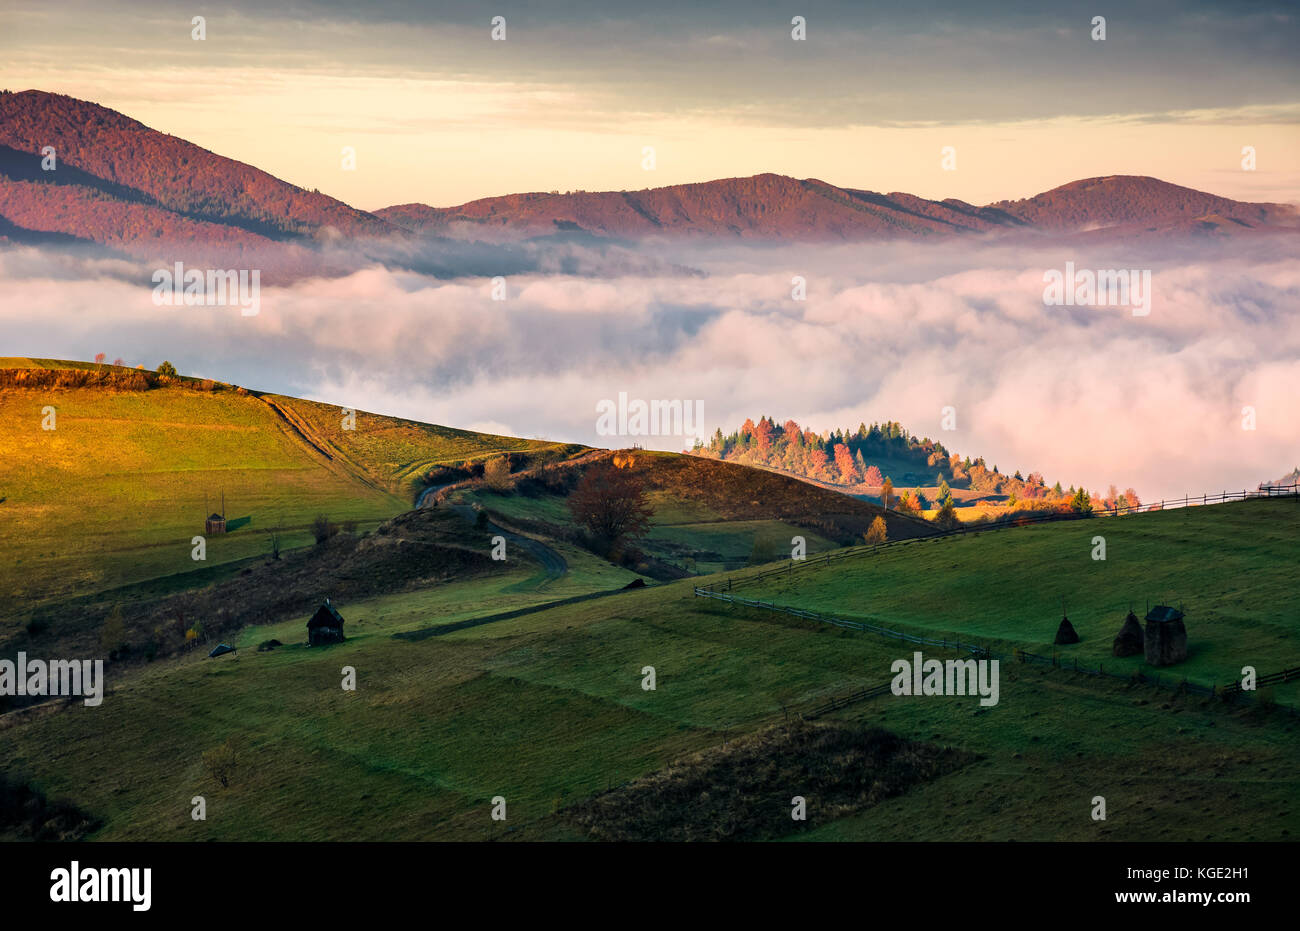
x,y
116,491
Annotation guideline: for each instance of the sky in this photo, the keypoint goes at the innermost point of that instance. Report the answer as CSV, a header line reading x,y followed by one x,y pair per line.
x,y
440,113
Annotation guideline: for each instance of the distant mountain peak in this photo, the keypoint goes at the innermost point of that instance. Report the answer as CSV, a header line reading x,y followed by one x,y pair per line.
x,y
133,189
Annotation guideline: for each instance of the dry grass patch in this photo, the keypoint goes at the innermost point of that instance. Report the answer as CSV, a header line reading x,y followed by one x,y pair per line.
x,y
744,790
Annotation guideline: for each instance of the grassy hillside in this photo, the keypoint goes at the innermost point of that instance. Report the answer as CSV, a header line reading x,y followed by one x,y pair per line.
x,y
114,494
395,453
1231,567
548,710
711,516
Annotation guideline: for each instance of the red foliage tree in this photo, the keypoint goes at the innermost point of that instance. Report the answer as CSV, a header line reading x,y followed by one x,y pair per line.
x,y
844,462
611,504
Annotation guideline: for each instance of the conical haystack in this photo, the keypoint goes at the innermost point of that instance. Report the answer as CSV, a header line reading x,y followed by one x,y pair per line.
x,y
1066,633
1130,641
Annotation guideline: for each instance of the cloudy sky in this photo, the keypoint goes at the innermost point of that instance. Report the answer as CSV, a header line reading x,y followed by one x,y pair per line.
x,y
441,114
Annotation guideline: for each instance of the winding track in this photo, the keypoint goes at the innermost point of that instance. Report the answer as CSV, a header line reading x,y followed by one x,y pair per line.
x,y
550,559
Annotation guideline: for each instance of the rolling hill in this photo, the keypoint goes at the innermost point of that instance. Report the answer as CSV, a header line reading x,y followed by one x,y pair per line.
x,y
102,509
547,709
113,494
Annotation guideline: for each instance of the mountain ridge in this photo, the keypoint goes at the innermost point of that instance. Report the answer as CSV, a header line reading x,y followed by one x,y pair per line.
x,y
120,185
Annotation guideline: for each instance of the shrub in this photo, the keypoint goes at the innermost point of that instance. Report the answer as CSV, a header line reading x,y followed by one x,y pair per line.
x,y
220,763
496,474
112,636
322,529
167,370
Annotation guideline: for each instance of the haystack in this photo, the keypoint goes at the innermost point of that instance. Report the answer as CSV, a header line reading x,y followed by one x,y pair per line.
x,y
1065,633
1129,641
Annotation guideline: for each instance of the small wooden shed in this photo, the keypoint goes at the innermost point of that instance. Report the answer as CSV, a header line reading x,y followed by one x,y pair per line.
x,y
325,626
216,523
1166,636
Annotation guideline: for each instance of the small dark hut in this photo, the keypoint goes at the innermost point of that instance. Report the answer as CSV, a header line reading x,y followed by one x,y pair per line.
x,y
221,649
216,523
1065,633
1165,642
1130,640
325,626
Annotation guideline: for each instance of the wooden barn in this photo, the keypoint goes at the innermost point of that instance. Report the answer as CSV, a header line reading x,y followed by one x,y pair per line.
x,y
325,626
1166,636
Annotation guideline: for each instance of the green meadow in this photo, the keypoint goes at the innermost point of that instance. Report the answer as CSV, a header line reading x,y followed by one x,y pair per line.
x,y
548,708
1231,567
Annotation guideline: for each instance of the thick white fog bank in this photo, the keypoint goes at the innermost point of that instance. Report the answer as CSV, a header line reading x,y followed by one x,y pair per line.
x,y
1088,395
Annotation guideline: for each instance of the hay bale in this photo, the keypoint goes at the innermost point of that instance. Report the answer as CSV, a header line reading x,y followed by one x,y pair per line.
x,y
1065,633
1166,636
1130,640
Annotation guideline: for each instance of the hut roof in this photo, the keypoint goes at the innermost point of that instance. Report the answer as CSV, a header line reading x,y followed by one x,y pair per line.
x,y
221,649
326,616
215,517
1161,613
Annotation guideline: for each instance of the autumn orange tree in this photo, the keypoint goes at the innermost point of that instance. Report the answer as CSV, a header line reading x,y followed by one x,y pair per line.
x,y
611,505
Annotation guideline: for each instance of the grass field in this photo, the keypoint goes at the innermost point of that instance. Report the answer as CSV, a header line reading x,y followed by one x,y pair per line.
x,y
685,534
1231,567
114,494
547,709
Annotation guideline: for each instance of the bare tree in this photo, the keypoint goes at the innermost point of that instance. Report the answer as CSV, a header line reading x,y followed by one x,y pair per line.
x,y
611,503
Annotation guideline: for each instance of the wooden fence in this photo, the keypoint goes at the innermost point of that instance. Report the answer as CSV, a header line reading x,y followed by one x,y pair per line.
x,y
1286,675
1160,680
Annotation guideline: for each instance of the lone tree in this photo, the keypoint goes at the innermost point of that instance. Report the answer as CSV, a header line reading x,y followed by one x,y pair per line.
x,y
167,369
877,533
947,518
887,491
611,504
